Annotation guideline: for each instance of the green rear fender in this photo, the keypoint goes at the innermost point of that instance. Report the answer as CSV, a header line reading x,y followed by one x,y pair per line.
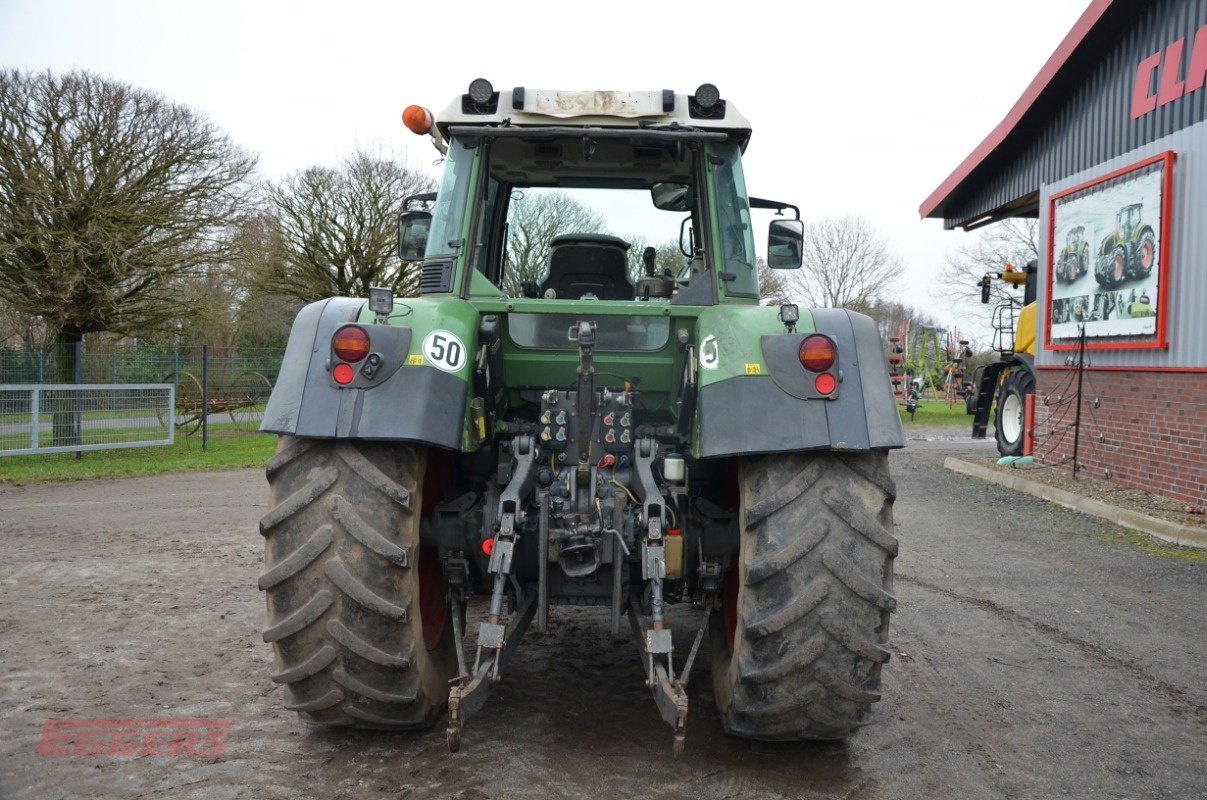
x,y
419,394
744,408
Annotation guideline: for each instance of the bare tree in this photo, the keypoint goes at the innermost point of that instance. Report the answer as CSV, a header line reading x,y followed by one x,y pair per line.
x,y
773,285
897,320
1012,241
109,195
21,330
263,321
263,317
847,264
335,230
535,218
213,299
666,258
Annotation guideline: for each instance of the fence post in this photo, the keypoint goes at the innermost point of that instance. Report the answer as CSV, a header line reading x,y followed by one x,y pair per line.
x,y
1080,376
205,396
35,401
78,428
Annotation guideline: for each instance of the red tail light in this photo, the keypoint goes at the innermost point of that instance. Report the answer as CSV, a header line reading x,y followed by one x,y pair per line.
x,y
818,353
351,343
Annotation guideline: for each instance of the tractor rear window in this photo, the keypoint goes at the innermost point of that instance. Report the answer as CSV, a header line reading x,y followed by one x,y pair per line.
x,y
552,331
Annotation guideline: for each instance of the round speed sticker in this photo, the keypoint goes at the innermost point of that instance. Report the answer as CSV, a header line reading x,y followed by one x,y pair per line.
x,y
444,350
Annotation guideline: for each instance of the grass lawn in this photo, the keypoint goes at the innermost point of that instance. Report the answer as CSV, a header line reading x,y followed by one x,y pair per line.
x,y
935,413
229,448
146,433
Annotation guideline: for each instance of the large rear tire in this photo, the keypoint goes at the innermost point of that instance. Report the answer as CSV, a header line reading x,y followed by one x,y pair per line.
x,y
349,591
1146,254
803,633
1066,269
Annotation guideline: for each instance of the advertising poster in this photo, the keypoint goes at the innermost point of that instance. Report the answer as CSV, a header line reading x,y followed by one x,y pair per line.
x,y
1106,254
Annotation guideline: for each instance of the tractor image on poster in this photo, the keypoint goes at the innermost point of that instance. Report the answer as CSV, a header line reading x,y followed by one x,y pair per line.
x,y
1129,251
604,418
1074,260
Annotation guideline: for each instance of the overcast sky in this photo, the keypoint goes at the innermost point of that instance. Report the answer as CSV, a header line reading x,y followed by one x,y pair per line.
x,y
857,108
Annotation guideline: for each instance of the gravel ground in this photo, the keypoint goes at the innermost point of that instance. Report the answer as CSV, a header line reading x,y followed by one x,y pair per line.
x,y
1034,657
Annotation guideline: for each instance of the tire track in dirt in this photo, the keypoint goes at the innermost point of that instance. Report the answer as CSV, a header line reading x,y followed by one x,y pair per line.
x,y
925,689
1179,697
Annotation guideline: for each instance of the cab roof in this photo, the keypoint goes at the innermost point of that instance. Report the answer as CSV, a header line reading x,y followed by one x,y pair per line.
x,y
659,109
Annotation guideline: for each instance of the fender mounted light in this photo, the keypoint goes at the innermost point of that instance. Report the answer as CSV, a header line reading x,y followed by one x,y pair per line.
x,y
350,343
817,353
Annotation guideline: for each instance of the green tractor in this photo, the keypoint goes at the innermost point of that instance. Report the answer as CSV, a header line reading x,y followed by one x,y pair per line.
x,y
1129,251
599,435
1074,259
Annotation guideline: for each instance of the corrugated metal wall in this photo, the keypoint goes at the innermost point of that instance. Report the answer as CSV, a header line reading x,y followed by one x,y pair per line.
x,y
1187,318
1094,124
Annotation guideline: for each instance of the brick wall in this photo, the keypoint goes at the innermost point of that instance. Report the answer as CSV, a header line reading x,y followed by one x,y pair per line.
x,y
1140,429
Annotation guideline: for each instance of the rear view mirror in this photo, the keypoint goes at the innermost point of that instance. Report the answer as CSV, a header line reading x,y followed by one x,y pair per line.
x,y
413,228
785,243
672,196
687,238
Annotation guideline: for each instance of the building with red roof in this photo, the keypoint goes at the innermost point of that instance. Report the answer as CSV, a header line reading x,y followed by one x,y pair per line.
x,y
1107,147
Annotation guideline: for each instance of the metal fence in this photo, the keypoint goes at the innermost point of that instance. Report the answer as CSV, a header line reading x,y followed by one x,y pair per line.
x,y
66,418
134,364
218,385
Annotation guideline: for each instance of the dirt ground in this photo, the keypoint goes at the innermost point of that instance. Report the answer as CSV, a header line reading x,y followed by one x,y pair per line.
x,y
1036,655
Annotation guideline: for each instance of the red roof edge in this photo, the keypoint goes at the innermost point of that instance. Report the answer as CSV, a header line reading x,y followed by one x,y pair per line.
x,y
1066,48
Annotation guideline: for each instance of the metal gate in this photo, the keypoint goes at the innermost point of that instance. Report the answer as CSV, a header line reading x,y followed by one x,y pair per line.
x,y
68,418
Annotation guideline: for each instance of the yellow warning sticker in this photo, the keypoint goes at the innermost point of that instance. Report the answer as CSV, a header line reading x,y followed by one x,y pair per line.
x,y
754,369
415,360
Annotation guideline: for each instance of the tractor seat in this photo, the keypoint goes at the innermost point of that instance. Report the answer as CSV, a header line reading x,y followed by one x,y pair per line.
x,y
588,263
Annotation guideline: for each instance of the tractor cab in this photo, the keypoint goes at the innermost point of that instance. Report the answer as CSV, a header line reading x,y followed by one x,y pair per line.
x,y
1009,335
1128,218
593,195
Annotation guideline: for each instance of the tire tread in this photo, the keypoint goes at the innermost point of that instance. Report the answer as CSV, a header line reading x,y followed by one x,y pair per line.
x,y
341,538
815,598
